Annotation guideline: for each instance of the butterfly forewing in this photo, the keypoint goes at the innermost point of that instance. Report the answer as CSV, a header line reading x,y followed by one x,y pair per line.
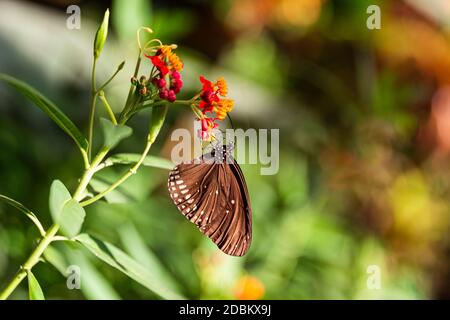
x,y
214,197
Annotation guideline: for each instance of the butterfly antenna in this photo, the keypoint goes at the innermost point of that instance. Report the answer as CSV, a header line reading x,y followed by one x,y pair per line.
x,y
232,126
231,121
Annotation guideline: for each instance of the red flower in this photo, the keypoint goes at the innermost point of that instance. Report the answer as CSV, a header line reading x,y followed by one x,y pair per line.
x,y
205,132
168,80
207,85
210,97
159,64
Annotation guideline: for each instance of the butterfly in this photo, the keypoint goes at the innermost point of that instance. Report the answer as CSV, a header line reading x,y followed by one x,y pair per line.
x,y
211,192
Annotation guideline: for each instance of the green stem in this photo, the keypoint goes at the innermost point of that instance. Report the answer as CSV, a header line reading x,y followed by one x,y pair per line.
x,y
130,92
85,159
111,78
197,111
52,231
185,102
122,179
30,263
92,109
108,108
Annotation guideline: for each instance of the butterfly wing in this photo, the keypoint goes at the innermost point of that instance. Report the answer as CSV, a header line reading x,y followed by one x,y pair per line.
x,y
214,197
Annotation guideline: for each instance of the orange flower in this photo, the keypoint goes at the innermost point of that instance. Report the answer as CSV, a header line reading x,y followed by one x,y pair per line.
x,y
222,107
249,288
174,62
222,86
210,100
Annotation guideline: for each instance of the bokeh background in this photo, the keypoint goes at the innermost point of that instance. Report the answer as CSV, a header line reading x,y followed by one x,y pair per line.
x,y
364,119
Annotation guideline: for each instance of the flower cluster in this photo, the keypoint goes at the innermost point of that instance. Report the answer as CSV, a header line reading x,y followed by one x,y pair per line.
x,y
213,100
142,85
168,79
211,104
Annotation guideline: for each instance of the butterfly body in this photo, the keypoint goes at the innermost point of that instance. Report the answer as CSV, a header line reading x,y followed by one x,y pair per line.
x,y
211,192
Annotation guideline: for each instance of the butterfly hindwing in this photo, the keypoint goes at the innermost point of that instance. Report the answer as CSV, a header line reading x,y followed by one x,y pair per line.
x,y
214,196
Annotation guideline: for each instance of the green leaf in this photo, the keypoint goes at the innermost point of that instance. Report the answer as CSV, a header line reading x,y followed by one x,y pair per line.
x,y
49,108
34,289
59,196
124,263
65,211
114,134
93,284
137,248
56,259
71,218
131,158
25,210
100,36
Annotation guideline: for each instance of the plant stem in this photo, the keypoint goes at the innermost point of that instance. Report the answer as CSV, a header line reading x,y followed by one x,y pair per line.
x,y
31,261
52,231
108,108
111,78
122,179
185,102
122,118
92,109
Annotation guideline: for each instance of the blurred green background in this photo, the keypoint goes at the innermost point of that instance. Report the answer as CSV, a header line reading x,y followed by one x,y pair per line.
x,y
364,119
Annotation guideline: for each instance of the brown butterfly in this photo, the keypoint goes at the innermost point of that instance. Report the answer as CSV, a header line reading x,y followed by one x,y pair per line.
x,y
211,192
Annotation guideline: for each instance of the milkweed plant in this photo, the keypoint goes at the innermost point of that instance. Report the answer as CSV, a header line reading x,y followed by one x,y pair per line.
x,y
157,90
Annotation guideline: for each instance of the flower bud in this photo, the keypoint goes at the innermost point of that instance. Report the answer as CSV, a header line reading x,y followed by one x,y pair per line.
x,y
100,36
176,75
171,96
160,83
164,94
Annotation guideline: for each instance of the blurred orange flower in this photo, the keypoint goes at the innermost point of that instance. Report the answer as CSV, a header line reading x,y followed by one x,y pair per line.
x,y
249,288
